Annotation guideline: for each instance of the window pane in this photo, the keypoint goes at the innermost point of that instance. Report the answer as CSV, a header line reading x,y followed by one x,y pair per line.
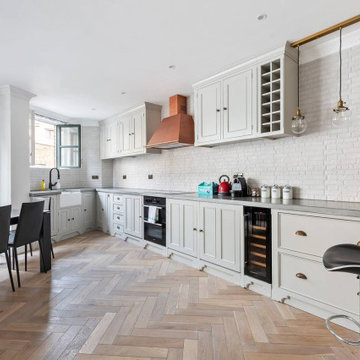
x,y
69,157
44,144
69,136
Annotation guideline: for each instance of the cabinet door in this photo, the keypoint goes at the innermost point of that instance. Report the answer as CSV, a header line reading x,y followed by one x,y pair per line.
x,y
108,218
103,142
208,231
64,221
208,113
173,224
120,137
128,137
138,217
189,227
139,131
89,210
237,105
101,212
76,219
113,139
228,236
129,215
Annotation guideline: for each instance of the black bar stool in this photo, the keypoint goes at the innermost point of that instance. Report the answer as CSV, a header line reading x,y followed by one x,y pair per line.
x,y
345,258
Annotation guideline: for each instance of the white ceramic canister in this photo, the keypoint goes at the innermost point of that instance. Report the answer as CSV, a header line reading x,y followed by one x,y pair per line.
x,y
276,192
265,192
287,192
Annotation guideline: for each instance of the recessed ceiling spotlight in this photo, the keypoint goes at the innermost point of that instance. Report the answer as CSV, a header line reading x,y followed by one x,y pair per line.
x,y
262,17
123,93
172,67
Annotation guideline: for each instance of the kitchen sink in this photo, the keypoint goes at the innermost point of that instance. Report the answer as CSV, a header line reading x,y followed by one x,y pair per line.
x,y
70,198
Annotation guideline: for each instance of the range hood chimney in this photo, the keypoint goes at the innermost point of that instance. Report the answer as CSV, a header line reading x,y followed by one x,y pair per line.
x,y
175,131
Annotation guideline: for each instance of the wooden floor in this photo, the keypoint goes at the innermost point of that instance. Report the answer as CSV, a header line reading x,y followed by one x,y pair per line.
x,y
107,299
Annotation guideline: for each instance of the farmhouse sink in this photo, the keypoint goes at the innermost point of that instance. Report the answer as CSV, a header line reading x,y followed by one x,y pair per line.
x,y
70,198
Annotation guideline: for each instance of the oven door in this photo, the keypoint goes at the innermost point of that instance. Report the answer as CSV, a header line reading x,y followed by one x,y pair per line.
x,y
155,233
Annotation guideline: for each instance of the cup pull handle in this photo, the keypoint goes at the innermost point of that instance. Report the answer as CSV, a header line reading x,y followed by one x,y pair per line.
x,y
301,276
301,233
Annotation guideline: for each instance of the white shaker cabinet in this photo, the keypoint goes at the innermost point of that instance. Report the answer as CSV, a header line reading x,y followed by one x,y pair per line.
x,y
252,100
127,134
238,109
182,226
88,208
104,212
208,113
134,216
206,230
220,231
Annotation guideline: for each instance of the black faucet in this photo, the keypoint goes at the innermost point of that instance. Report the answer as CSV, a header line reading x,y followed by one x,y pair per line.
x,y
51,185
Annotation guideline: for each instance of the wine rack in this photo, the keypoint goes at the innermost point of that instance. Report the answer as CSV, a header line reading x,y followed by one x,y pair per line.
x,y
271,82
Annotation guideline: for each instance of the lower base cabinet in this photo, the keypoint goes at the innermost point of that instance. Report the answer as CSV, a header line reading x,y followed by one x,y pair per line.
x,y
133,216
208,231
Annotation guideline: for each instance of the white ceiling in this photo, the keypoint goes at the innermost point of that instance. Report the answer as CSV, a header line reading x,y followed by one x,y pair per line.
x,y
77,55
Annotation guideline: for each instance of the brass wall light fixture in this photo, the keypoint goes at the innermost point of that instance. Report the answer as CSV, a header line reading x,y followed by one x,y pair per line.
x,y
342,114
298,122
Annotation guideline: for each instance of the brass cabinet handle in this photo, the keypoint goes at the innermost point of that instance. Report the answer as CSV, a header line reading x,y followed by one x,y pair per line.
x,y
194,229
84,209
225,108
301,276
358,293
217,110
301,233
201,230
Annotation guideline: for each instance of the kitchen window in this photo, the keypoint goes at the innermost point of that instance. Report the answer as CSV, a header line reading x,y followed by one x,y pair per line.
x,y
53,143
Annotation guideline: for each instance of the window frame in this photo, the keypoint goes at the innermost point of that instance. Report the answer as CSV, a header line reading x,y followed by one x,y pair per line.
x,y
59,146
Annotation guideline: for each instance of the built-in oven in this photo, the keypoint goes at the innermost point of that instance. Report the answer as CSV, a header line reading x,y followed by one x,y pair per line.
x,y
155,219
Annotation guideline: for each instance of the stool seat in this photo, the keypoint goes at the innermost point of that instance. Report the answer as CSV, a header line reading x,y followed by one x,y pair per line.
x,y
344,257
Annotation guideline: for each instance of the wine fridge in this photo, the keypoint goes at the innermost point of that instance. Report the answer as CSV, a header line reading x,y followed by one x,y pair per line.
x,y
258,243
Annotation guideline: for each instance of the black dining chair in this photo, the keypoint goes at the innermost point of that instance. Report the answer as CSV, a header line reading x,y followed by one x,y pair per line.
x,y
48,206
5,215
27,231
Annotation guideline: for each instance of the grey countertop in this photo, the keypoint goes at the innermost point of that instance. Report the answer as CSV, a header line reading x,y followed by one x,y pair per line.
x,y
56,192
339,208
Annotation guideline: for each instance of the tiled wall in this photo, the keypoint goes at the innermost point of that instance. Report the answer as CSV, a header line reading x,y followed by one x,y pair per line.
x,y
324,163
90,165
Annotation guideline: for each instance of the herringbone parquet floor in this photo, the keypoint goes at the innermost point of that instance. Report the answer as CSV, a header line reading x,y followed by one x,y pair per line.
x,y
106,299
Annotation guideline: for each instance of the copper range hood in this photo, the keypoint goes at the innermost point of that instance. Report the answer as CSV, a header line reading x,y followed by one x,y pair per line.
x,y
175,131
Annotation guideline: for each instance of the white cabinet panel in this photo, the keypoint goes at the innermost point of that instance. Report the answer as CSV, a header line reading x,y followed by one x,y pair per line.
x,y
134,216
208,233
139,131
219,228
89,206
181,218
208,115
237,106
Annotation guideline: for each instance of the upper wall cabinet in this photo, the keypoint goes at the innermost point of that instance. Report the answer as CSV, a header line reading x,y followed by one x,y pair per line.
x,y
127,134
252,100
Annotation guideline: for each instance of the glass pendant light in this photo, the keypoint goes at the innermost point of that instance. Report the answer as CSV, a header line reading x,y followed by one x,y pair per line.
x,y
298,122
342,113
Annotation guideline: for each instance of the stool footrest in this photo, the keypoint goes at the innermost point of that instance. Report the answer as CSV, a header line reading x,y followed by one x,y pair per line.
x,y
346,341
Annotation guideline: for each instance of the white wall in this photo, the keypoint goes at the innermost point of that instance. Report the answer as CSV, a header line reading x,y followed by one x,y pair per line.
x,y
90,165
324,163
14,140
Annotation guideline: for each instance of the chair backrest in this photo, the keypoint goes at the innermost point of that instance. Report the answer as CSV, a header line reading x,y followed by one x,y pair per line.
x,y
47,201
30,222
5,215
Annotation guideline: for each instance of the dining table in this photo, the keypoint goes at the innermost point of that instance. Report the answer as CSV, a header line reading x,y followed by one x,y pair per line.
x,y
44,238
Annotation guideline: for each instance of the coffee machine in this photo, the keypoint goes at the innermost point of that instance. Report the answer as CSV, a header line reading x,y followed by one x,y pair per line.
x,y
239,186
